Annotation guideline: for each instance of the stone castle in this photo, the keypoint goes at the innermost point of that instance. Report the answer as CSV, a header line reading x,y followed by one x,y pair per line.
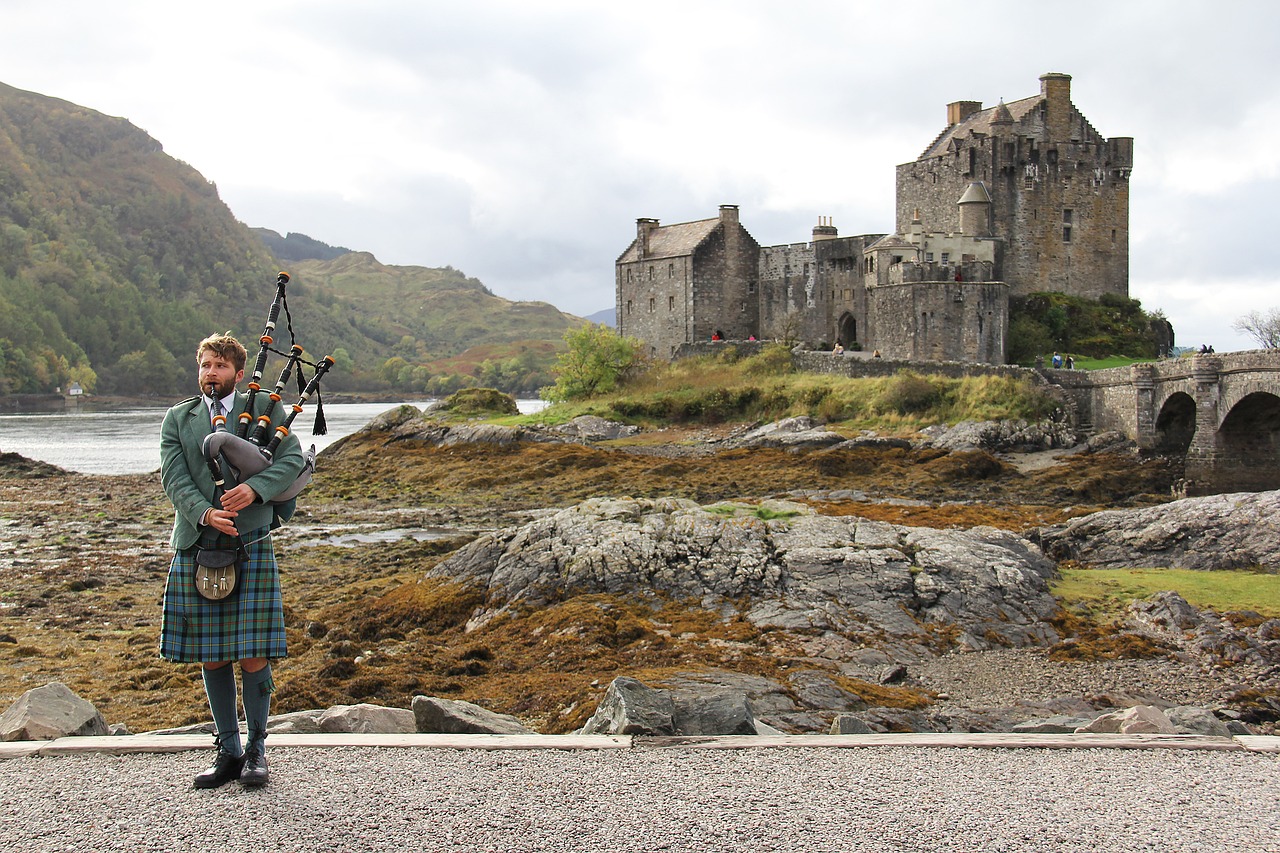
x,y
1018,198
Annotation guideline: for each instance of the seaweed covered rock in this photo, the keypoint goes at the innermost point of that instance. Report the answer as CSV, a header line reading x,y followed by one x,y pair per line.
x,y
795,570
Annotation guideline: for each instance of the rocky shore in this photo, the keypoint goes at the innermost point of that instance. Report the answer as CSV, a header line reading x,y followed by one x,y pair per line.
x,y
908,582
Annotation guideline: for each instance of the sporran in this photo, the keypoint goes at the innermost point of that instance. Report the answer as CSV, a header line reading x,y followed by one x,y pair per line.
x,y
216,575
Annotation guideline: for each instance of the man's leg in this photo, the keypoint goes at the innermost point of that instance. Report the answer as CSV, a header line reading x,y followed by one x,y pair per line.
x,y
257,687
220,687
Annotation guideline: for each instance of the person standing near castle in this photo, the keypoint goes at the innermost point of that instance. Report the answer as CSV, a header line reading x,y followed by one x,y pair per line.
x,y
248,625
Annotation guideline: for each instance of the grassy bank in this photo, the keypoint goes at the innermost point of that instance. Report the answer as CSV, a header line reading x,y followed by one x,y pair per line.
x,y
762,387
1104,594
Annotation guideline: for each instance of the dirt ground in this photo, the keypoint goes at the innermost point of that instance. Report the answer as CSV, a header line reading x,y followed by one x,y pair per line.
x,y
83,561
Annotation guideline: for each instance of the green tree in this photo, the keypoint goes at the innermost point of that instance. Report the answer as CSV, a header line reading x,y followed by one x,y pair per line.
x,y
597,359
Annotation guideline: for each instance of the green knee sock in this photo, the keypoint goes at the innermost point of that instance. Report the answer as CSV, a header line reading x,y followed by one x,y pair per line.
x,y
220,687
256,689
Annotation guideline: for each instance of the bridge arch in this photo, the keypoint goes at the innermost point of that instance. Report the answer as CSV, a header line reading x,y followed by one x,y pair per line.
x,y
1248,443
1175,425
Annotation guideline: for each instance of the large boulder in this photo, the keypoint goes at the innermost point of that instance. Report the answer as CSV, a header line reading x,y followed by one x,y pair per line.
x,y
1231,531
632,708
1005,435
367,719
50,712
796,570
450,716
1140,719
798,433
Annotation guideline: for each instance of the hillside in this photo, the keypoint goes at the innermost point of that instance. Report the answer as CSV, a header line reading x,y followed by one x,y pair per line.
x,y
436,324
115,258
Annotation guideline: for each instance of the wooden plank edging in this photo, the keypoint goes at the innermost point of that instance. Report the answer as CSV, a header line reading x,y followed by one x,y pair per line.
x,y
147,743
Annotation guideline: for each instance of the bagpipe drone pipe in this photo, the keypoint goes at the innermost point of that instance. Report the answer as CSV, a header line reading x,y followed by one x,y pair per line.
x,y
233,457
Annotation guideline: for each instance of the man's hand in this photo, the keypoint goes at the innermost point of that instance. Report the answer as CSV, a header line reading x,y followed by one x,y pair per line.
x,y
222,520
238,498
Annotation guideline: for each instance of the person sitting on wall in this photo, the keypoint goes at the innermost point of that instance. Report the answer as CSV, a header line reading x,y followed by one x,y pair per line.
x,y
716,336
751,338
875,354
839,350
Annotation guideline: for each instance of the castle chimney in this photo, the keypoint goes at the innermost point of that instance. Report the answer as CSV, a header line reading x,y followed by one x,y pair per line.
x,y
644,227
824,230
729,214
958,111
1055,88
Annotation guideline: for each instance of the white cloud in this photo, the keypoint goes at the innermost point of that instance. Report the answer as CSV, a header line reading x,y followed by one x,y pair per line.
x,y
519,141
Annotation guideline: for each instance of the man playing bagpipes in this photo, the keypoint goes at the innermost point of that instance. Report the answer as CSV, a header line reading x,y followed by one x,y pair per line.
x,y
222,599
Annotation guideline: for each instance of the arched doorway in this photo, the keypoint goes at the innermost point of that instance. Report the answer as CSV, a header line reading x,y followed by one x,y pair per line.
x,y
847,329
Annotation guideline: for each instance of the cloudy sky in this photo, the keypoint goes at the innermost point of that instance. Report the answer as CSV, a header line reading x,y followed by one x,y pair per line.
x,y
519,141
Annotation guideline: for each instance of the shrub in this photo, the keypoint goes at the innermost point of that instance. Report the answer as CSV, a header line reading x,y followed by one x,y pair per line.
x,y
481,401
773,360
910,393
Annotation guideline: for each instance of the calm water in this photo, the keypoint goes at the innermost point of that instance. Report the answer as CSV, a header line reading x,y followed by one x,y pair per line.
x,y
128,441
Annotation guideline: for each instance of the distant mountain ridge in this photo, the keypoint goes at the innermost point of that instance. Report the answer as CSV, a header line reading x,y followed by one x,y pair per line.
x,y
115,259
297,247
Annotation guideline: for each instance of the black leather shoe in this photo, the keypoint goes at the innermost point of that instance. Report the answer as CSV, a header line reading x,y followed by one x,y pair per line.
x,y
225,768
254,774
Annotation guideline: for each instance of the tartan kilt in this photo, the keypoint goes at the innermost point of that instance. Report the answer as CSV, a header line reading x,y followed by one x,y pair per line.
x,y
248,624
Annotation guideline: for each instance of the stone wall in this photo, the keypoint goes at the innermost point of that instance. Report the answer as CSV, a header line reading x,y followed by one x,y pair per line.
x,y
940,321
790,303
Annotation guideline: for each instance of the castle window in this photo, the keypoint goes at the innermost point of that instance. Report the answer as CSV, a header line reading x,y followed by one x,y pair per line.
x,y
1066,233
751,287
653,304
1066,216
946,257
928,257
628,307
629,278
650,272
671,270
1113,235
671,303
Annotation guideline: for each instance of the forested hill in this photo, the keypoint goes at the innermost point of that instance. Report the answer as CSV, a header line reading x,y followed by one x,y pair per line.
x,y
115,258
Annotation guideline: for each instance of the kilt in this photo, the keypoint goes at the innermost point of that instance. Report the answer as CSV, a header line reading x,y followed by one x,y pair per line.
x,y
248,624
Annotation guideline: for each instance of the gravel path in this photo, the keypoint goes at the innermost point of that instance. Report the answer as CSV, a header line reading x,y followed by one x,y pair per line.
x,y
1006,677
870,799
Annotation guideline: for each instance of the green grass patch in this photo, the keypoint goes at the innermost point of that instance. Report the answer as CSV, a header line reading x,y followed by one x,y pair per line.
x,y
1105,593
1086,363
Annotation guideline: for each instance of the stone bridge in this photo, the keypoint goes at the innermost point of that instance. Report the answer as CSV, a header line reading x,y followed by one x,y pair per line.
x,y
1223,411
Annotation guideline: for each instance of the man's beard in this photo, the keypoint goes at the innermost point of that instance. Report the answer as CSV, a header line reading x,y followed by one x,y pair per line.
x,y
217,392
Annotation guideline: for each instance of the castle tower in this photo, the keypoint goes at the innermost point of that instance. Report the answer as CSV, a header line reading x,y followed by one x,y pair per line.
x,y
1058,191
975,211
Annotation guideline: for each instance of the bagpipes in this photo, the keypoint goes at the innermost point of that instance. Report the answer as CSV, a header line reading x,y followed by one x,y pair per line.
x,y
235,456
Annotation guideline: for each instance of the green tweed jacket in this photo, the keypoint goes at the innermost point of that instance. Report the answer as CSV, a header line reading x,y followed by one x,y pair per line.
x,y
184,473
